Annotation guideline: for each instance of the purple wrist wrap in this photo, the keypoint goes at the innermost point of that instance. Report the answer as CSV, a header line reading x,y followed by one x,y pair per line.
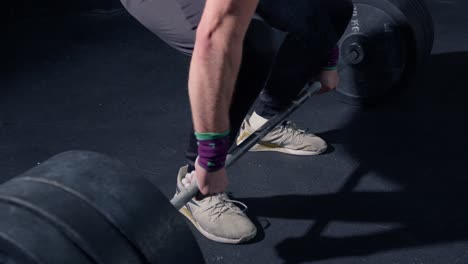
x,y
212,153
333,57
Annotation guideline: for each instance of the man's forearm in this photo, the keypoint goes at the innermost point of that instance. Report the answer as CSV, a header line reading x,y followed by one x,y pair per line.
x,y
213,73
215,62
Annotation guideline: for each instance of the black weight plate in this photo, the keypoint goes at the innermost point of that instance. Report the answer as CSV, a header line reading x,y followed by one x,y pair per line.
x,y
25,238
408,20
383,39
75,218
128,200
420,21
10,253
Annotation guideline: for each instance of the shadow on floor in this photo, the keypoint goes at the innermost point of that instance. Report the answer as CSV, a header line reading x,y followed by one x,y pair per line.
x,y
419,144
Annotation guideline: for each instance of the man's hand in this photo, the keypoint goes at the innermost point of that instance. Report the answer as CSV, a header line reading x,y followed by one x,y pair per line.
x,y
211,183
329,80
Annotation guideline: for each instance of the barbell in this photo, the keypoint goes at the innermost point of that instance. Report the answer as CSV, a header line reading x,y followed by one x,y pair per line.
x,y
84,207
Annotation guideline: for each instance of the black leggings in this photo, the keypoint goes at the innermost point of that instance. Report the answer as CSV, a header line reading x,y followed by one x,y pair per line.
x,y
312,27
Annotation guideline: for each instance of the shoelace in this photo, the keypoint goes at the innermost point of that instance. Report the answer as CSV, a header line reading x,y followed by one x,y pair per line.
x,y
295,134
223,205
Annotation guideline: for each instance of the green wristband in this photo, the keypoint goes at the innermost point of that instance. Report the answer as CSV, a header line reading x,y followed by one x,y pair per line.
x,y
211,136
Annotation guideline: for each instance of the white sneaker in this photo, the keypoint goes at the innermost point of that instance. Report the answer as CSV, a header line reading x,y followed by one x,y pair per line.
x,y
286,138
217,217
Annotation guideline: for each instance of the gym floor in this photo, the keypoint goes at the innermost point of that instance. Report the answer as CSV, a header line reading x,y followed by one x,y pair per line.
x,y
391,189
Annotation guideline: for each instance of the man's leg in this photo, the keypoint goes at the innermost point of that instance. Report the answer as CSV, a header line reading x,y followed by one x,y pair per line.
x,y
314,27
295,64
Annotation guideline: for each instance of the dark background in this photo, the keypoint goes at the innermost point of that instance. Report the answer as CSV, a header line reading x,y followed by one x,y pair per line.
x,y
392,188
20,8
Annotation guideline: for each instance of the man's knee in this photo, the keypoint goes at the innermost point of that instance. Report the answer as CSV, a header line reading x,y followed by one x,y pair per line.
x,y
322,20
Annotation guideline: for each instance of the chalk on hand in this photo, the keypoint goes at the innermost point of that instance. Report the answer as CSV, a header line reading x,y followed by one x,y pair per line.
x,y
189,177
185,182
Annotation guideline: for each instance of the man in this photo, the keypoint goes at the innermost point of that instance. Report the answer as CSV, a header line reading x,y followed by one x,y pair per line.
x,y
233,59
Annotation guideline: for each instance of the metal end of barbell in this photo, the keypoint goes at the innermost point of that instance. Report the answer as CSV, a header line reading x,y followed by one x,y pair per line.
x,y
356,52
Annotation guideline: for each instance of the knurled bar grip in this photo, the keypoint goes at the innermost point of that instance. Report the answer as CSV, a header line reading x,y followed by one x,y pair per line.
x,y
186,195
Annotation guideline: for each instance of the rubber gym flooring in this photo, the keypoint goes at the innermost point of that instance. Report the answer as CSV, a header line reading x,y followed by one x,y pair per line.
x,y
391,189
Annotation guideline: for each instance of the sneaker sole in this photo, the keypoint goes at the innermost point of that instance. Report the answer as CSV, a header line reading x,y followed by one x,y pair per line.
x,y
260,147
210,236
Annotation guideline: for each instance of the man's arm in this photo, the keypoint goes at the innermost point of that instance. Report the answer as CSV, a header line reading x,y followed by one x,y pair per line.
x,y
216,60
213,71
